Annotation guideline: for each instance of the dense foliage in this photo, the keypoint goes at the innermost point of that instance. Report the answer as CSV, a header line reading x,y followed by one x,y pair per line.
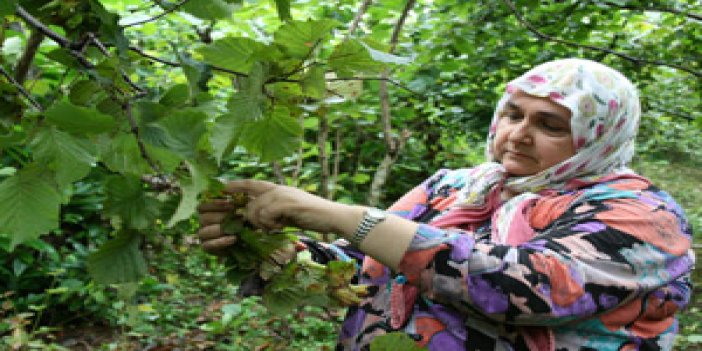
x,y
117,115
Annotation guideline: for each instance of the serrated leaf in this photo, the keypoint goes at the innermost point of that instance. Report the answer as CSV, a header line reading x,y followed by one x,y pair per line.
x,y
118,260
351,56
29,205
209,10
248,103
182,131
297,38
127,203
393,342
273,137
381,56
79,120
344,89
225,134
122,155
236,54
191,187
313,83
84,92
69,157
195,72
283,9
175,96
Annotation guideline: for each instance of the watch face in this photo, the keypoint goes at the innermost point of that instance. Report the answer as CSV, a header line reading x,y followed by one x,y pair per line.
x,y
376,213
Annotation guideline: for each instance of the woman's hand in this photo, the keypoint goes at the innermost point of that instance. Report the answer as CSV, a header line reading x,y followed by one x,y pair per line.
x,y
275,206
212,214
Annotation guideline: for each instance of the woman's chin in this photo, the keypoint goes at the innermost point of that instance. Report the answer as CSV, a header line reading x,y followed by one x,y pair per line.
x,y
518,169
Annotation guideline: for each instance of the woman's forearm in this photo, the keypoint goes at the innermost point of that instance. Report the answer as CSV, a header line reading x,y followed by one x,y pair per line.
x,y
387,242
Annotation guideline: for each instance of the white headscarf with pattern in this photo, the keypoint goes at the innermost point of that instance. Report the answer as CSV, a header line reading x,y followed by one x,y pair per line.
x,y
605,117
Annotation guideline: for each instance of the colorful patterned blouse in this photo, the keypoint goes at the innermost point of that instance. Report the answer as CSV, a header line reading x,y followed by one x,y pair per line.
x,y
607,269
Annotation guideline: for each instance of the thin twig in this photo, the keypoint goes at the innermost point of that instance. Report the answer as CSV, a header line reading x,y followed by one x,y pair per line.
x,y
393,145
692,15
636,60
21,89
300,150
71,47
322,137
127,106
301,66
176,64
357,19
337,163
386,79
278,172
165,12
25,62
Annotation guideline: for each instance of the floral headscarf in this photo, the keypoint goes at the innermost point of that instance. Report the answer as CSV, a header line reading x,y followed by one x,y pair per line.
x,y
605,114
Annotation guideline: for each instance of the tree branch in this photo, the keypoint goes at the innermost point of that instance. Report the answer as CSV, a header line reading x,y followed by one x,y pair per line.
x,y
691,15
165,12
176,64
322,137
636,60
337,163
386,79
21,89
25,62
393,145
75,49
127,107
357,19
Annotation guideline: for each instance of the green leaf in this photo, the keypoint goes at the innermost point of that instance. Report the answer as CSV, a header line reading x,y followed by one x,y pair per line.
x,y
248,102
191,187
273,137
283,9
127,203
7,7
196,72
345,89
182,131
69,157
118,260
85,92
209,9
79,120
29,205
236,54
298,38
122,155
313,83
351,56
225,134
12,138
177,95
394,341
381,56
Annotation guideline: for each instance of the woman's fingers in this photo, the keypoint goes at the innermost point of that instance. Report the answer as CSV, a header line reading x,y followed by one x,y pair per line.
x,y
250,187
210,232
209,218
217,205
219,246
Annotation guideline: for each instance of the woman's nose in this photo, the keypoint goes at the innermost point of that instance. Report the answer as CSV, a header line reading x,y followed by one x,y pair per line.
x,y
521,132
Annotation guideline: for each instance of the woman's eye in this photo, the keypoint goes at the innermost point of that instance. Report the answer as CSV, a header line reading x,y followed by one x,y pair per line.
x,y
553,127
514,116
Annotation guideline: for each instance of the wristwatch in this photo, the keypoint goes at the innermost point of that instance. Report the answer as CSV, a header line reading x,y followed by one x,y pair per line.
x,y
371,217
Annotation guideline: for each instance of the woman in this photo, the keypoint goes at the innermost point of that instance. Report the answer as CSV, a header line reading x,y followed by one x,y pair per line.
x,y
553,245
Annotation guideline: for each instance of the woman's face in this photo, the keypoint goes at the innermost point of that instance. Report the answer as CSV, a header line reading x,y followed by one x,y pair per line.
x,y
533,134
